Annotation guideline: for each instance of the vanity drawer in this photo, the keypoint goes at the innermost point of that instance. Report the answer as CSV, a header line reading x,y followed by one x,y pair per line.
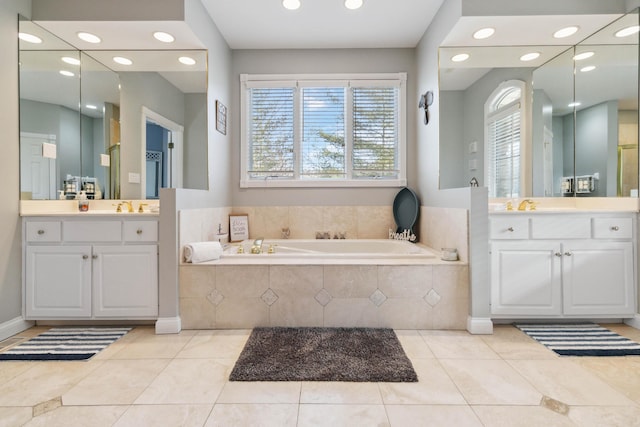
x,y
509,228
43,231
93,231
140,231
612,228
561,227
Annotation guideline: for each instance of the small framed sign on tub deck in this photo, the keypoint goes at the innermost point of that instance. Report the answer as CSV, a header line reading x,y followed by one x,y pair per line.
x,y
238,227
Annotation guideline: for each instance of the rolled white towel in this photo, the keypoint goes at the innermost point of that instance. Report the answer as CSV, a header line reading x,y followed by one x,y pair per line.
x,y
202,251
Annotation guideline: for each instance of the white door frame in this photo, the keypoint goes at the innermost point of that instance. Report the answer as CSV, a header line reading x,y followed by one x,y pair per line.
x,y
177,132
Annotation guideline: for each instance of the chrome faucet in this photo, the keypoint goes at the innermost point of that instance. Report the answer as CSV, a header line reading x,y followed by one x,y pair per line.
x,y
256,248
523,205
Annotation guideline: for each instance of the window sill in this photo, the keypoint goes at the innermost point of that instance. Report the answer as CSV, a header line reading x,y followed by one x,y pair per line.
x,y
289,183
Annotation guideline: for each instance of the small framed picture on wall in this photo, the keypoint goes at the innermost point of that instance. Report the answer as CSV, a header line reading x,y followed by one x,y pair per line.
x,y
221,118
238,227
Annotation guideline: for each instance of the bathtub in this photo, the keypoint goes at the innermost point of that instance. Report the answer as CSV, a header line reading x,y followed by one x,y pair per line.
x,y
330,249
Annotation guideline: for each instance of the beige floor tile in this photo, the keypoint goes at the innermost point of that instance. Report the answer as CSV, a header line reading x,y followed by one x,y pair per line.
x,y
115,382
216,344
622,373
460,347
520,416
340,392
432,416
414,345
624,330
165,346
72,416
490,382
188,381
44,381
433,387
165,415
265,415
511,343
342,415
14,416
605,416
568,382
10,370
260,392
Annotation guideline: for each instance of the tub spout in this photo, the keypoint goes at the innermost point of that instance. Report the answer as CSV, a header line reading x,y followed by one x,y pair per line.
x,y
257,246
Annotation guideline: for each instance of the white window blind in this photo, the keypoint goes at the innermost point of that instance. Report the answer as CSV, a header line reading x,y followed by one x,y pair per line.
x,y
340,131
504,154
271,128
375,132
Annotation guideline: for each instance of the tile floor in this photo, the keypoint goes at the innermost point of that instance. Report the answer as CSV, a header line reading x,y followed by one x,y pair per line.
x,y
505,379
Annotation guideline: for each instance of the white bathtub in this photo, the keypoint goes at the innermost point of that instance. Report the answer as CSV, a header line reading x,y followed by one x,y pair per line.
x,y
331,249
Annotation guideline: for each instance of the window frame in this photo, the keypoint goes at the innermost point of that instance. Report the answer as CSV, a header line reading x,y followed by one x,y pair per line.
x,y
248,81
492,113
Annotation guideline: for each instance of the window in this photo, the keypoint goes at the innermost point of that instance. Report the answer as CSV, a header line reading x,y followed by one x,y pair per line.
x,y
504,136
323,130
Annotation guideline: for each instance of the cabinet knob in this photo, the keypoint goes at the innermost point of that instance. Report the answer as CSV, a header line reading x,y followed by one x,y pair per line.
x,y
94,256
85,256
615,228
558,254
139,231
41,232
510,229
568,253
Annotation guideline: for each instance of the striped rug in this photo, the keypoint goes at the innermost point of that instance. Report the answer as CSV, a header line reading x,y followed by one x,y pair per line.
x,y
583,339
64,344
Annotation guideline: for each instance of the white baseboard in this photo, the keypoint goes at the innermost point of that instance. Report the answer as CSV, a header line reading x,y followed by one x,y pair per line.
x,y
479,325
14,326
634,321
168,325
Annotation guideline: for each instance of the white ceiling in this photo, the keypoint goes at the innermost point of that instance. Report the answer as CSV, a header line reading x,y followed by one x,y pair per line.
x,y
266,24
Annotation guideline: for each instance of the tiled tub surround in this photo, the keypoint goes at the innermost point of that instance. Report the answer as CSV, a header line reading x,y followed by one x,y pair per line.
x,y
428,296
425,294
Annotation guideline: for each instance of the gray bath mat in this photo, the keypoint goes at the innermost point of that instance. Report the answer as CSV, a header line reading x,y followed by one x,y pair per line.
x,y
323,354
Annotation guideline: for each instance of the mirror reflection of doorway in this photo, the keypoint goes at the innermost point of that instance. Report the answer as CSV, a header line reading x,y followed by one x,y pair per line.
x,y
162,158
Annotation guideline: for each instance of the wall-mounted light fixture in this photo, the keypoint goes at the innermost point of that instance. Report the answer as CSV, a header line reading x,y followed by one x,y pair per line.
x,y
426,100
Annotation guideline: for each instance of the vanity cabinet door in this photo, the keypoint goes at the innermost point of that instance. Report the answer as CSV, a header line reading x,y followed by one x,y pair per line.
x,y
125,281
525,279
57,282
598,278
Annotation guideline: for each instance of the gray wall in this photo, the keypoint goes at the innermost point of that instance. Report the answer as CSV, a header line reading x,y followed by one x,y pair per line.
x,y
10,231
196,174
322,61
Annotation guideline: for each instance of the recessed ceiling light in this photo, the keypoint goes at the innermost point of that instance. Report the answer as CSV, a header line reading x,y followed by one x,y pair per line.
x,y
66,73
187,60
484,33
460,57
291,4
29,38
588,68
353,4
566,32
574,104
70,60
164,37
530,56
122,60
625,32
88,37
91,107
583,55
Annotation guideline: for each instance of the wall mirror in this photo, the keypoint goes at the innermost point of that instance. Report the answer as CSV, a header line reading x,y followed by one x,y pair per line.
x,y
95,119
584,125
585,140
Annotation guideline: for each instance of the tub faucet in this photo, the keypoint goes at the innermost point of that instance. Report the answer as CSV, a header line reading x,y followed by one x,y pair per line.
x,y
523,205
256,248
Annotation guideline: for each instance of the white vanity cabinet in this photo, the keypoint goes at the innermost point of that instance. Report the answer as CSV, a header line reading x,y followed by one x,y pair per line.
x,y
89,268
562,265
